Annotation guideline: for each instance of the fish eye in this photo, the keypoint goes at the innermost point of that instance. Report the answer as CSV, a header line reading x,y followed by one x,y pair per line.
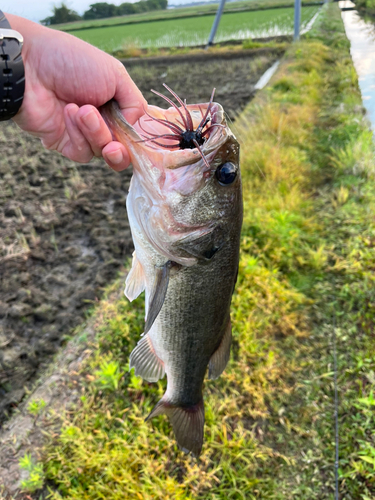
x,y
226,173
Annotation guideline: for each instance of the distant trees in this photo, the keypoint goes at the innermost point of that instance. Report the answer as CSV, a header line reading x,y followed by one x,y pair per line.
x,y
104,9
100,10
62,13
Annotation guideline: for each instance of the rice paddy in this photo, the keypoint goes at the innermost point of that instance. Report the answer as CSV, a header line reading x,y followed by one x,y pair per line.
x,y
195,31
180,12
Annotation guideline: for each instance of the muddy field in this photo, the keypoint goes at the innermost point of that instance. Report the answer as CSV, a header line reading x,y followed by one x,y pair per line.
x,y
193,78
64,233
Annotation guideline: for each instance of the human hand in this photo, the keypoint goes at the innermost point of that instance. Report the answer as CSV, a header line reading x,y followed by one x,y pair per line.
x,y
66,81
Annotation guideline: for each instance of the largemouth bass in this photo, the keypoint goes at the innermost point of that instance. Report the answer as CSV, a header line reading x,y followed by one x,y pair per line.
x,y
185,213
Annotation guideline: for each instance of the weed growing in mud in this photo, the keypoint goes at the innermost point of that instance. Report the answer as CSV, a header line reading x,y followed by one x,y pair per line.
x,y
108,375
35,480
13,248
306,268
36,406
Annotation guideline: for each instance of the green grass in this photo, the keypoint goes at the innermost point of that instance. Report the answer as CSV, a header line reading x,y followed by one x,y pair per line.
x,y
306,268
199,10
366,6
195,31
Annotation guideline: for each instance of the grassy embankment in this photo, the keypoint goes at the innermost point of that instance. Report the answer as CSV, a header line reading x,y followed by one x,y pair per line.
x,y
193,31
308,253
366,7
198,10
235,48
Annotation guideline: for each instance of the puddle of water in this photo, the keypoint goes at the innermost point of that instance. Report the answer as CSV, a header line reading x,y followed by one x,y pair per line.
x,y
266,77
309,25
361,35
346,4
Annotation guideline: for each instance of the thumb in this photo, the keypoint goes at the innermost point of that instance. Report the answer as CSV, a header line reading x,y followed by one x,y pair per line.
x,y
129,97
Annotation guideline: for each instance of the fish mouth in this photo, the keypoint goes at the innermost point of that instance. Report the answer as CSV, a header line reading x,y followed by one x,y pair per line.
x,y
167,139
186,133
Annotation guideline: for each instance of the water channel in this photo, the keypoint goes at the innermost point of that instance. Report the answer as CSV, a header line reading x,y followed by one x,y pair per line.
x,y
361,35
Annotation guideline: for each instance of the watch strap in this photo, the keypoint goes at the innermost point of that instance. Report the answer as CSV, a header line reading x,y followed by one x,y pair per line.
x,y
12,72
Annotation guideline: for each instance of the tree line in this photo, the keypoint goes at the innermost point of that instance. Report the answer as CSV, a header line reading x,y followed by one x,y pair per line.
x,y
62,14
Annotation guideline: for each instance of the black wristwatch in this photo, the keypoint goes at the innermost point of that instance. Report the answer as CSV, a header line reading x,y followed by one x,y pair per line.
x,y
12,72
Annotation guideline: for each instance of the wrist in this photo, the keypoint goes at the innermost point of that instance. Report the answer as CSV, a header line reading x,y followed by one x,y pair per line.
x,y
12,73
28,30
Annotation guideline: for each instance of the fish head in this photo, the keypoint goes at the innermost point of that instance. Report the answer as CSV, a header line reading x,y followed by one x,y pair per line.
x,y
181,192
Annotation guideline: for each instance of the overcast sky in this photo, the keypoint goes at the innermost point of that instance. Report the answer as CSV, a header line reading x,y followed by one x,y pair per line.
x,y
40,9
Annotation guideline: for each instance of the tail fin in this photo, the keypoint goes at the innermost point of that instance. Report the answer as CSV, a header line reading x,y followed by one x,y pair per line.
x,y
187,423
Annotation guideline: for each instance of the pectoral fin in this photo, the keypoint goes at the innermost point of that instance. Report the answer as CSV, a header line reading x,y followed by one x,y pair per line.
x,y
135,281
158,293
220,357
204,247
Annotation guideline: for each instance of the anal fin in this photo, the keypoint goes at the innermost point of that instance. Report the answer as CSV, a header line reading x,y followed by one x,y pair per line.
x,y
187,423
220,357
145,362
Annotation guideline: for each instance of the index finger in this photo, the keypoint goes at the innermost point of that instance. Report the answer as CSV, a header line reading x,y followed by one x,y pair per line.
x,y
129,97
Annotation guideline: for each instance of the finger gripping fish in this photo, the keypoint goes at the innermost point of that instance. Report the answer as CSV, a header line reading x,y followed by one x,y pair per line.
x,y
185,213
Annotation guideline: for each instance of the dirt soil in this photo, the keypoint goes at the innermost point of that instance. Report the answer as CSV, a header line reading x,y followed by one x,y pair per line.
x,y
193,78
64,233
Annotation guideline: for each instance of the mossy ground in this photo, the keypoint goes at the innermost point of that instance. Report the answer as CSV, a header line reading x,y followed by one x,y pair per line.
x,y
307,269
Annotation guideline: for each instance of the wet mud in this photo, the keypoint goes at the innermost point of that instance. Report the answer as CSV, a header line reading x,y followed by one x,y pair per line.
x,y
64,233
